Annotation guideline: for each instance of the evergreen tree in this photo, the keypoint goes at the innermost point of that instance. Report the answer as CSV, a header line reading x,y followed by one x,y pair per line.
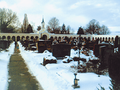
x,y
39,28
63,29
80,30
29,29
25,23
68,29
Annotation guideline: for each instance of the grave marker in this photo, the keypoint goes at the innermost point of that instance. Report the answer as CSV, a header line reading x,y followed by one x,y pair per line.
x,y
104,53
61,50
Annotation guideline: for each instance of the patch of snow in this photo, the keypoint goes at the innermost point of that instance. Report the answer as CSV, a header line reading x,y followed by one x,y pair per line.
x,y
115,50
4,61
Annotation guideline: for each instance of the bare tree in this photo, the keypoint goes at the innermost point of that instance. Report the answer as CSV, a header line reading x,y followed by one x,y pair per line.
x,y
104,30
8,21
93,27
49,29
53,23
72,31
57,30
68,29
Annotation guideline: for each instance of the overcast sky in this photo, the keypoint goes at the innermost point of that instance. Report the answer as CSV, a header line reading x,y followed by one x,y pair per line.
x,y
75,13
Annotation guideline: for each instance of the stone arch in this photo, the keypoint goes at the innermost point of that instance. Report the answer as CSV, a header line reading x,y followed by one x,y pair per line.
x,y
44,37
13,38
106,39
18,38
27,37
74,37
22,37
51,37
85,39
95,38
100,39
109,39
8,37
88,38
3,37
59,38
31,37
112,38
103,39
36,37
56,37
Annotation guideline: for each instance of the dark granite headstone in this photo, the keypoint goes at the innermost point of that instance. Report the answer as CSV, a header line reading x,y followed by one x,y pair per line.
x,y
61,50
41,46
116,42
25,44
4,44
44,45
31,44
119,44
97,50
104,53
48,45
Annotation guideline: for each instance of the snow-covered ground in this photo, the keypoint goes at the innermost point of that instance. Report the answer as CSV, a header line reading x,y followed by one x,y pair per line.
x,y
52,76
4,61
60,76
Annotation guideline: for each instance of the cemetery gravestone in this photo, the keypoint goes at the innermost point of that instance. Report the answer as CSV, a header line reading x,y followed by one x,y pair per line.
x,y
105,52
32,45
119,44
114,65
61,50
41,46
4,44
116,42
49,45
44,45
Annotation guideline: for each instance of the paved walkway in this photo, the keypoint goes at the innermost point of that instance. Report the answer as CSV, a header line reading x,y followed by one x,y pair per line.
x,y
19,77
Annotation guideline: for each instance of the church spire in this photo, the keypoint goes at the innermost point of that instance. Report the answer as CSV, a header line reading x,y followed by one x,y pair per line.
x,y
42,20
43,24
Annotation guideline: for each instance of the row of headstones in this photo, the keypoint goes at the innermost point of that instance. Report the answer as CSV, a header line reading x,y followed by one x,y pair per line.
x,y
104,51
61,50
28,44
58,50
